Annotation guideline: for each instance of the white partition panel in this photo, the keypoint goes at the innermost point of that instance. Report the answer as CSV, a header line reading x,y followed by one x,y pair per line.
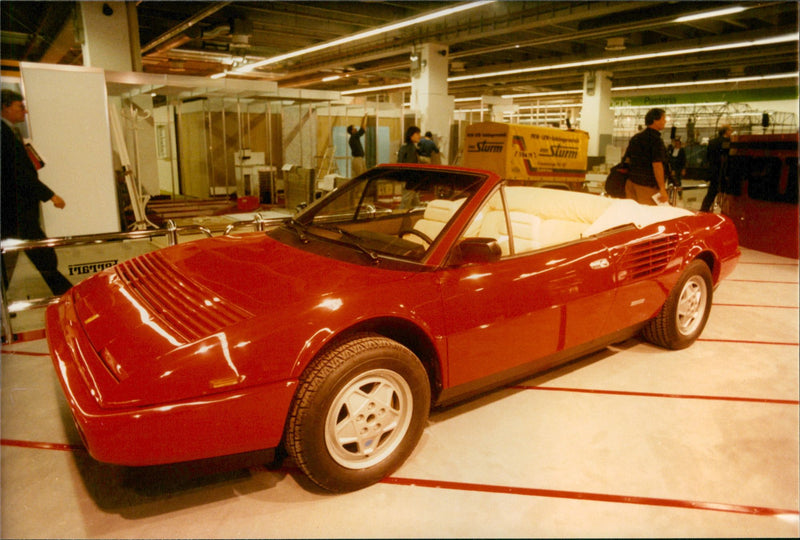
x,y
68,125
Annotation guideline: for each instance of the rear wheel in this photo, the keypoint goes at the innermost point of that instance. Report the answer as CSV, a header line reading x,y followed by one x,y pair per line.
x,y
685,313
359,412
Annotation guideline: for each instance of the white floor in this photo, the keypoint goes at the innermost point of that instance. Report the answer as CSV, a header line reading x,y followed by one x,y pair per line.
x,y
631,441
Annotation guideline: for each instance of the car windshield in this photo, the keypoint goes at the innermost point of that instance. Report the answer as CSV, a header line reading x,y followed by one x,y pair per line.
x,y
397,212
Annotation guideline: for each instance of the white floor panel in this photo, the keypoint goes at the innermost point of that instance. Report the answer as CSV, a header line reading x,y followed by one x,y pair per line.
x,y
715,369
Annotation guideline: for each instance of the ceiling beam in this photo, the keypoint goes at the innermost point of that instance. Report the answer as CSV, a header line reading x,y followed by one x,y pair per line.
x,y
185,25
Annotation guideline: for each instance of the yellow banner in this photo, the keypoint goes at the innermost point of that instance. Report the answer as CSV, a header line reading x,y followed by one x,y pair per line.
x,y
531,153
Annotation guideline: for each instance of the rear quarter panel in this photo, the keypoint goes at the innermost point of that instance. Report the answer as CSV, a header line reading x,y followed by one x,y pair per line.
x,y
645,277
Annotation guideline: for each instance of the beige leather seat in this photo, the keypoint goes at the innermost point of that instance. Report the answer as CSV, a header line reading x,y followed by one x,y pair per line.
x,y
437,214
524,226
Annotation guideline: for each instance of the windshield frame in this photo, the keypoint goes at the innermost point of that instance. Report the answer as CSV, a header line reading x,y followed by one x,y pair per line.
x,y
369,212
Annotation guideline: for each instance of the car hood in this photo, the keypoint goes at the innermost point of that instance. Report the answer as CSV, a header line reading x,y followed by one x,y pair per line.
x,y
166,318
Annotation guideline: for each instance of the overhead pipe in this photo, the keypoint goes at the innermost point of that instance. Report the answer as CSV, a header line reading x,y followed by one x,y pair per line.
x,y
185,25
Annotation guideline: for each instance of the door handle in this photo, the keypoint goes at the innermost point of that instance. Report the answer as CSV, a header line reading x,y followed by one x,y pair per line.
x,y
599,264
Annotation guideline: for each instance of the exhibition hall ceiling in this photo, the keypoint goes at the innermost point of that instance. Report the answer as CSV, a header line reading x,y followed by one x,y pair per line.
x,y
495,48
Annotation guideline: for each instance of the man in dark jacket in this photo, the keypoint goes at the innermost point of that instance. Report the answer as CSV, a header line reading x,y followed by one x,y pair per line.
x,y
358,165
22,192
649,162
408,153
427,148
718,150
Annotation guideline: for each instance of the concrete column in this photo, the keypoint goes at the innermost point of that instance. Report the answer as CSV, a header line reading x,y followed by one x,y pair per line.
x,y
497,107
597,118
429,95
109,36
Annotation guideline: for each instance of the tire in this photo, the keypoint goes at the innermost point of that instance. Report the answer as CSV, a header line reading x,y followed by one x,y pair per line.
x,y
685,313
359,411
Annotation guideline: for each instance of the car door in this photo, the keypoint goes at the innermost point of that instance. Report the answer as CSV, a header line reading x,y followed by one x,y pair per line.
x,y
524,308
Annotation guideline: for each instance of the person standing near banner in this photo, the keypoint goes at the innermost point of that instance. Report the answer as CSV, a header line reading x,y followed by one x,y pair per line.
x,y
649,163
22,193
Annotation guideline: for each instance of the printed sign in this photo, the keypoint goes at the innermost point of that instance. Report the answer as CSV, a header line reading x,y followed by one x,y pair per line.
x,y
90,268
531,153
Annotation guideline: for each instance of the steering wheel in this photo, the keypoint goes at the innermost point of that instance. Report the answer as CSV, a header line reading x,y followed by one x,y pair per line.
x,y
417,233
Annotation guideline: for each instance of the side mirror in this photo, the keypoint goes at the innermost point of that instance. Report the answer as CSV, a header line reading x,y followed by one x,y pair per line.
x,y
366,211
477,251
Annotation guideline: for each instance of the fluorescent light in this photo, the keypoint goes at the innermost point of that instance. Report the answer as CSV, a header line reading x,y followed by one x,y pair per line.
x,y
710,81
376,89
331,78
709,14
670,105
557,106
543,94
618,59
363,35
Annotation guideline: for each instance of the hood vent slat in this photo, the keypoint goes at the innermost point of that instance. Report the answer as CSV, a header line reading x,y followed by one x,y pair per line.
x,y
188,307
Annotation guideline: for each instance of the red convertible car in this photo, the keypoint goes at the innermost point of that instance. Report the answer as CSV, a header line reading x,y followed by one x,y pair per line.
x,y
333,334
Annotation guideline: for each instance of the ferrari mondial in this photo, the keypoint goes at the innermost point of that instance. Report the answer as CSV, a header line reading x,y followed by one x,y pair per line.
x,y
333,334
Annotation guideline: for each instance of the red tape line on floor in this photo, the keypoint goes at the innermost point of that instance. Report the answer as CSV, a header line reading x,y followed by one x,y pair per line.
x,y
509,490
656,394
25,353
33,335
756,306
762,281
786,343
602,497
41,445
769,263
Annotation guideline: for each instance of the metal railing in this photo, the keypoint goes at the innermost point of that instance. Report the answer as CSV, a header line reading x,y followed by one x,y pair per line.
x,y
172,233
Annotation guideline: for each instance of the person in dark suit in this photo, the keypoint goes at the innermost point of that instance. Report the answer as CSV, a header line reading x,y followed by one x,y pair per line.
x,y
719,149
22,193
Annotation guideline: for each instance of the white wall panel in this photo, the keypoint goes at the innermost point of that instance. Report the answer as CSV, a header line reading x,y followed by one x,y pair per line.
x,y
68,123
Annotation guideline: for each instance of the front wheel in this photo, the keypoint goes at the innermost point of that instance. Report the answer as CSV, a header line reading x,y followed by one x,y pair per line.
x,y
685,313
359,411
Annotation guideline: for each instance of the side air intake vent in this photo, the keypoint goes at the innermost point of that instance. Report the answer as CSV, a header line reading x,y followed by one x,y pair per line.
x,y
649,257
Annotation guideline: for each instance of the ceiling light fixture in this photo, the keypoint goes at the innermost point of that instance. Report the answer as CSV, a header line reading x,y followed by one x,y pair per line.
x,y
377,89
542,94
709,14
710,81
731,80
669,105
556,106
618,59
331,78
363,35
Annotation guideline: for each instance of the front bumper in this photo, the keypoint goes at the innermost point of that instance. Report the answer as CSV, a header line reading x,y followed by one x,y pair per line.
x,y
226,423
